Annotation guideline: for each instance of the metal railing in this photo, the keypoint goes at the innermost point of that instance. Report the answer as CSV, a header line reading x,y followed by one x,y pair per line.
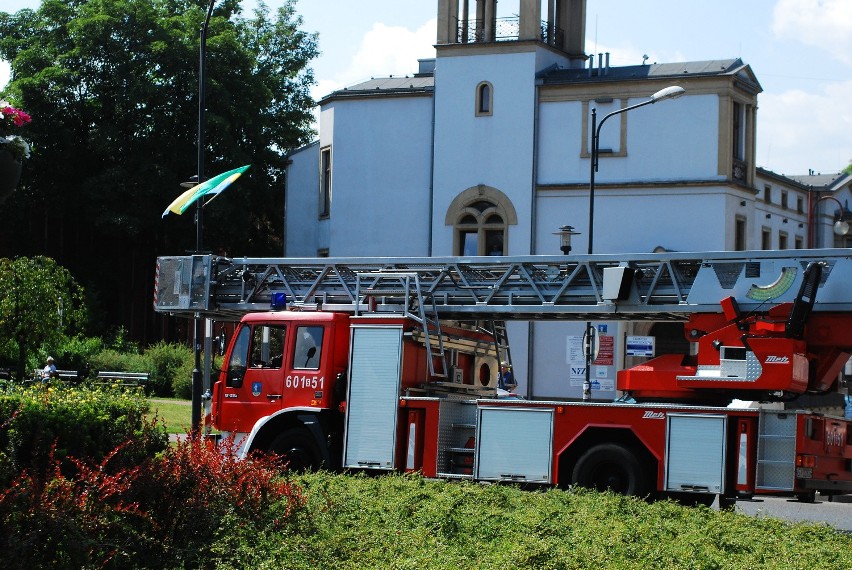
x,y
505,29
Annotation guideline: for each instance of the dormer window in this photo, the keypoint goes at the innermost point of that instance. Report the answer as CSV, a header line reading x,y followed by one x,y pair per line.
x,y
484,99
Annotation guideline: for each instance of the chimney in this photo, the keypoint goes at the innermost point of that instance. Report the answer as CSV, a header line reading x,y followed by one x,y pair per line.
x,y
606,69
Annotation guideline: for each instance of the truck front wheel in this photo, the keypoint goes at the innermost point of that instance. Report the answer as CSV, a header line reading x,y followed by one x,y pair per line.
x,y
613,467
297,448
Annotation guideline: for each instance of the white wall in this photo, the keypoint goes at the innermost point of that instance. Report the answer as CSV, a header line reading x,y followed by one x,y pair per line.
x,y
667,141
381,176
302,203
634,220
493,150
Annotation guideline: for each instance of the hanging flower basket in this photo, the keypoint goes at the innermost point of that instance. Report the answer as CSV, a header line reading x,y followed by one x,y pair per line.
x,y
10,173
13,149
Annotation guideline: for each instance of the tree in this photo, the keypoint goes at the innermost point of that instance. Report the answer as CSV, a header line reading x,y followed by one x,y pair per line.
x,y
111,86
39,304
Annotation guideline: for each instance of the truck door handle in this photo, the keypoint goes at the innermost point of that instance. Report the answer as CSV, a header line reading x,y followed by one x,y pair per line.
x,y
273,396
695,487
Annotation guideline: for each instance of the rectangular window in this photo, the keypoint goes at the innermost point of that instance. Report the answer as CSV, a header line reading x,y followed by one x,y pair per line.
x,y
325,183
468,243
306,353
800,205
738,132
494,242
740,234
800,243
610,137
782,240
767,194
784,199
267,346
766,239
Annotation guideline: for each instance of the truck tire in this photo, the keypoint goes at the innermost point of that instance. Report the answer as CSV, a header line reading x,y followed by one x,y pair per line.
x,y
613,467
296,446
806,497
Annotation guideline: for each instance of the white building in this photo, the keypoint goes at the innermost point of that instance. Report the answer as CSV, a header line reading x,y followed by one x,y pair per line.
x,y
486,150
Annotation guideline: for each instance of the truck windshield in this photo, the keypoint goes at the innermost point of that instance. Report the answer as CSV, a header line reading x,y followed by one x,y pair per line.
x,y
239,357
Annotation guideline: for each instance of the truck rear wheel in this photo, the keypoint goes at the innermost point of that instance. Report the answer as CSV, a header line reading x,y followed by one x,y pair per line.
x,y
612,467
296,446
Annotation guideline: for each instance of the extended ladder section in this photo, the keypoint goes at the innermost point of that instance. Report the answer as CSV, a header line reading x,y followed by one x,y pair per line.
x,y
661,286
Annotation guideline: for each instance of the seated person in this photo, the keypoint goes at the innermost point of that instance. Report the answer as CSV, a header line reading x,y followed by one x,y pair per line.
x,y
506,381
49,370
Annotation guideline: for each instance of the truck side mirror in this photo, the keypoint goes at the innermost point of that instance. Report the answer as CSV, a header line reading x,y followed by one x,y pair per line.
x,y
221,342
312,351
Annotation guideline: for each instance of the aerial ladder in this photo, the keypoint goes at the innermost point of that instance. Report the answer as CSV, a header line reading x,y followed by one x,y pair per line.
x,y
767,322
365,383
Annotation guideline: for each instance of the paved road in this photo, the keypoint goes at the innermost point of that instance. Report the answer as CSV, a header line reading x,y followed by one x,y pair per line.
x,y
837,513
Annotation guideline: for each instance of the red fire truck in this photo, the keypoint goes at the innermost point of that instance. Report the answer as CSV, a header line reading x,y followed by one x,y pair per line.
x,y
391,364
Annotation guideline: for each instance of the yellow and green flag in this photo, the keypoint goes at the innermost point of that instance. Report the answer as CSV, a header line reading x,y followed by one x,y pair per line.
x,y
210,187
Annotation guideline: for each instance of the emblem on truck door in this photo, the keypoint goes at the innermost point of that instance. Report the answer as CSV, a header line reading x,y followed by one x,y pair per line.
x,y
256,388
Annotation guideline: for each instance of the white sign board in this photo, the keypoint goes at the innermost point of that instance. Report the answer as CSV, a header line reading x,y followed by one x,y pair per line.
x,y
639,346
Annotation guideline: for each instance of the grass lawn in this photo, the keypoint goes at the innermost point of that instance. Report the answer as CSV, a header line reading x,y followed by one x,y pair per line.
x,y
175,414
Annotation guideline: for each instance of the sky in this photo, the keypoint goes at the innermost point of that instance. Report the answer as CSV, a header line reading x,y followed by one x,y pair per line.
x,y
800,51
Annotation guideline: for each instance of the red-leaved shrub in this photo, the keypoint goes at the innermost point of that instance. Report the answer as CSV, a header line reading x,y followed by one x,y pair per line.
x,y
160,514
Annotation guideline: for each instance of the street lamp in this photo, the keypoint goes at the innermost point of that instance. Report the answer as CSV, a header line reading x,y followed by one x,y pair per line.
x,y
565,233
199,216
668,93
841,226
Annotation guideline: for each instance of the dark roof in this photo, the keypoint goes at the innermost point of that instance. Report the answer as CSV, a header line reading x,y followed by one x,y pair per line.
x,y
709,68
827,181
404,85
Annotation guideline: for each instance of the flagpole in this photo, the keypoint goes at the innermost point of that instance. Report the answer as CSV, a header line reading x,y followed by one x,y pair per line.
x,y
199,219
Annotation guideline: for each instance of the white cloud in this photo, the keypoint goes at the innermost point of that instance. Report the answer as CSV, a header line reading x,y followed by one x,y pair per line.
x,y
386,50
794,121
826,24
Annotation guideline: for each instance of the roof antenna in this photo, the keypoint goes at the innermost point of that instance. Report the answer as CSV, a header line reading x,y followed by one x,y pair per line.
x,y
644,58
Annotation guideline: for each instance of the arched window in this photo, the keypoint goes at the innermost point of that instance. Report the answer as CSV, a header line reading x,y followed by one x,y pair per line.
x,y
480,217
484,99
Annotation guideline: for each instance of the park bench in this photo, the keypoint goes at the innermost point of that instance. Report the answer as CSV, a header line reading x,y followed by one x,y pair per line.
x,y
122,378
66,375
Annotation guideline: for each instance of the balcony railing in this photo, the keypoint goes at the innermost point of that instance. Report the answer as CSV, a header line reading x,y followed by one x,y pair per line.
x,y
505,30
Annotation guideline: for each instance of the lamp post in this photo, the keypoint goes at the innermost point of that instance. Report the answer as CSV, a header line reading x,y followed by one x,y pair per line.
x,y
841,227
199,217
667,93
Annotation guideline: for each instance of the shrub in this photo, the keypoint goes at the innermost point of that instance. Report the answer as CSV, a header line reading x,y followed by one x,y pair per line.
x,y
78,422
73,353
182,379
169,367
167,362
162,514
111,359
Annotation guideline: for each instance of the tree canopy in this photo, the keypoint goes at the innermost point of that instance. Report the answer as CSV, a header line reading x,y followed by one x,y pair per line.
x,y
112,87
40,302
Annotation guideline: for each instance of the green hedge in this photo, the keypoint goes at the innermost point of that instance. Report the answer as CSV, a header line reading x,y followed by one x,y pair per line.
x,y
43,424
